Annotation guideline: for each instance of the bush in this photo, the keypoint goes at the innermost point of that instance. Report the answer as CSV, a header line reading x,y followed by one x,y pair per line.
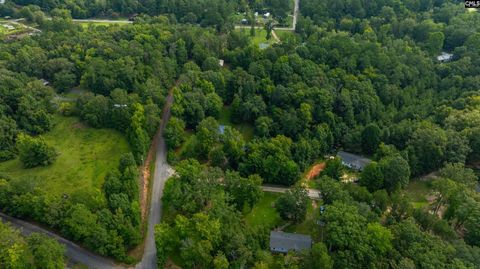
x,y
34,151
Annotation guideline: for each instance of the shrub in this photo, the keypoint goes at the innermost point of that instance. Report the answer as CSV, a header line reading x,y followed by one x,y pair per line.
x,y
34,151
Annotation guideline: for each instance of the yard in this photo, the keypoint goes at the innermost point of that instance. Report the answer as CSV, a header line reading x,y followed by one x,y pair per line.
x,y
260,38
264,214
8,28
417,191
85,157
244,128
86,24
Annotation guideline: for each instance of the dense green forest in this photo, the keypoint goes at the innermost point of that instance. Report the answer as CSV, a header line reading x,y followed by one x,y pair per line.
x,y
126,73
359,76
218,13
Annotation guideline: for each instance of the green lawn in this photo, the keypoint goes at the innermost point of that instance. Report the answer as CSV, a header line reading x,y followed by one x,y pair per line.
x,y
263,213
283,35
309,225
247,130
259,38
4,31
85,24
85,157
417,192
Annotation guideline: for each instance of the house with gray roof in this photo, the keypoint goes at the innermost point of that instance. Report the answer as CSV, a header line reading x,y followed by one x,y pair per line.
x,y
281,242
353,161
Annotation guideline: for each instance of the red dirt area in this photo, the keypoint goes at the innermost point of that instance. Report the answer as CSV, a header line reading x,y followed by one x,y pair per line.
x,y
315,171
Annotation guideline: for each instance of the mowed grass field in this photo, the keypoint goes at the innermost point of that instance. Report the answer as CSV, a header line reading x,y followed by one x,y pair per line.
x,y
85,157
264,212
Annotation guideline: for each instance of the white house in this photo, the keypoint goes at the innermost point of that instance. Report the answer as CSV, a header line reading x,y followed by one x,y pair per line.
x,y
444,57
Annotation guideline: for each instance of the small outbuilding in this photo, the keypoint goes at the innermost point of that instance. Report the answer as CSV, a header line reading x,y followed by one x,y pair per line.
x,y
281,242
444,57
353,161
221,129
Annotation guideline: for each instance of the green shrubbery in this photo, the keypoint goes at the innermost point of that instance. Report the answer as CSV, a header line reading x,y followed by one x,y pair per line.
x,y
35,151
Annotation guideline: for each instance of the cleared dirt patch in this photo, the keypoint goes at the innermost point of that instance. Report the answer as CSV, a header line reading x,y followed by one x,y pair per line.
x,y
315,171
79,125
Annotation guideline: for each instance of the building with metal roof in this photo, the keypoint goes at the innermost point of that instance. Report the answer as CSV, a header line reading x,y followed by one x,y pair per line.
x,y
353,161
281,242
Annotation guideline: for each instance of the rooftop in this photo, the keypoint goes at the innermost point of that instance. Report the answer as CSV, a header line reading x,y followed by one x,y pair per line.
x,y
444,57
353,161
284,242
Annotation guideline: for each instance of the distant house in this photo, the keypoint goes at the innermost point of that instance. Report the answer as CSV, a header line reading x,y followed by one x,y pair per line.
x,y
221,129
281,242
444,57
221,62
44,81
266,15
244,21
353,161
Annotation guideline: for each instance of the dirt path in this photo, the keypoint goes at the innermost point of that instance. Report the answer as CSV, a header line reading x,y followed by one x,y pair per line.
x,y
315,171
145,176
274,35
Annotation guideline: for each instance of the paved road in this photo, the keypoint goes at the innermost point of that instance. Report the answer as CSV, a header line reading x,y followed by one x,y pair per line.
x,y
312,193
74,252
149,260
162,172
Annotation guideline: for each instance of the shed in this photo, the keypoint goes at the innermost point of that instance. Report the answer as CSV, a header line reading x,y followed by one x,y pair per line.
x,y
353,161
281,242
221,129
44,81
444,57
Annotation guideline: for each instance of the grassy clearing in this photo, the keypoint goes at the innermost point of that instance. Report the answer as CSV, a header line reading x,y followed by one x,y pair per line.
x,y
7,28
244,128
284,35
263,213
309,225
259,38
85,157
86,24
417,192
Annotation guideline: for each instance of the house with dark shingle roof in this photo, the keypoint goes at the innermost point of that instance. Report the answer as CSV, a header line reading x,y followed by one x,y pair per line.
x,y
353,161
281,242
